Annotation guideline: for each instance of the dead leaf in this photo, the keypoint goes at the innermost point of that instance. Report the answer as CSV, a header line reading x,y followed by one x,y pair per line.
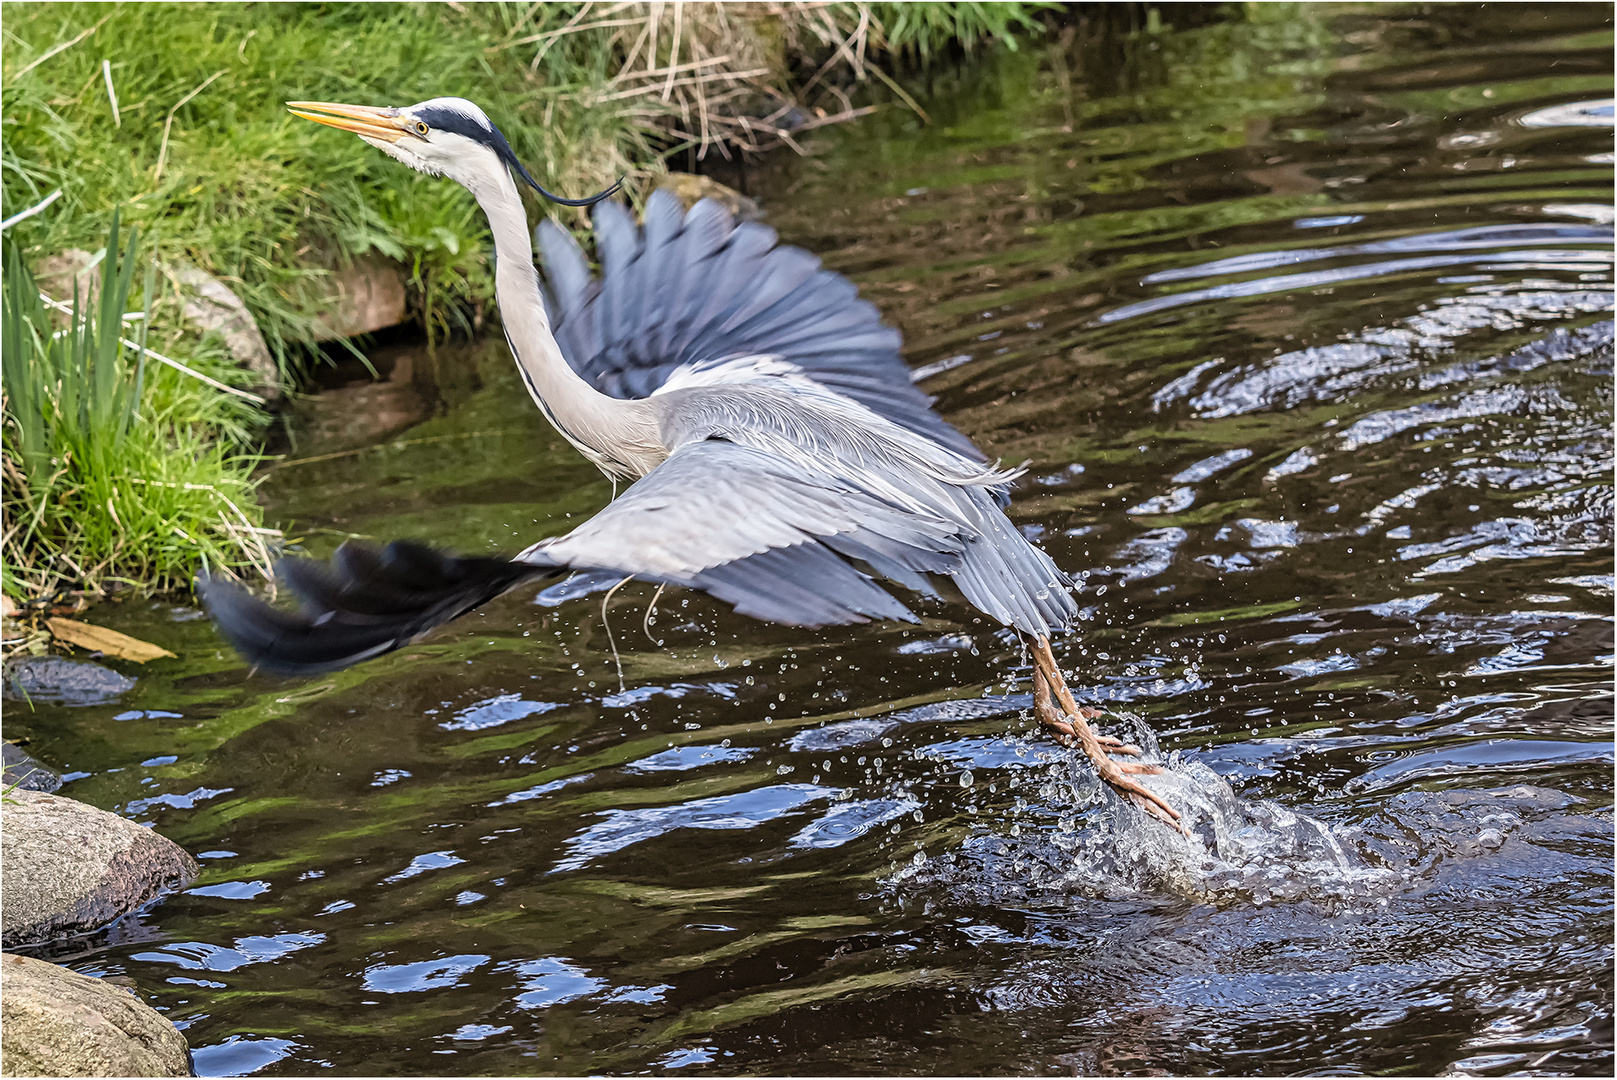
x,y
100,639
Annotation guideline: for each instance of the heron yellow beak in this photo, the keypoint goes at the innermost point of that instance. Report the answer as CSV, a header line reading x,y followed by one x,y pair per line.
x,y
367,120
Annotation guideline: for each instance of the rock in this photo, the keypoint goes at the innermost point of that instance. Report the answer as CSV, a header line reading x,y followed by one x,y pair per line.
x,y
690,189
208,305
56,1022
55,681
57,275
70,868
21,769
363,413
367,295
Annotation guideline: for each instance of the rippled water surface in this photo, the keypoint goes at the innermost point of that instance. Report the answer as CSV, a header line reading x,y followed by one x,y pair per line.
x,y
1302,319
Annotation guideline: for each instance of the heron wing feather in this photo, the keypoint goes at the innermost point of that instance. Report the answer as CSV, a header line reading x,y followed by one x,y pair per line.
x,y
695,287
751,525
364,603
713,502
770,539
778,540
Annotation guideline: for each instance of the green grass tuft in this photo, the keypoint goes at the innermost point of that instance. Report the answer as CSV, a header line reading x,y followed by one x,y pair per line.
x,y
927,29
112,475
267,202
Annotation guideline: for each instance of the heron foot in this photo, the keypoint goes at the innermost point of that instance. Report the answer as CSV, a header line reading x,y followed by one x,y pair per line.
x,y
1069,724
1118,746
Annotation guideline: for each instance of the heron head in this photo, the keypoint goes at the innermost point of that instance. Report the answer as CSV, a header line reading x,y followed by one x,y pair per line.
x,y
447,136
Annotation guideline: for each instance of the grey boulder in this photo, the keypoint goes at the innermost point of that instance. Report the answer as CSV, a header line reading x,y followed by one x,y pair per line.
x,y
71,272
690,189
210,305
56,1022
365,296
70,868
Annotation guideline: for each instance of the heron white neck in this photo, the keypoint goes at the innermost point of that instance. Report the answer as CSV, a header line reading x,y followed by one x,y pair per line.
x,y
612,433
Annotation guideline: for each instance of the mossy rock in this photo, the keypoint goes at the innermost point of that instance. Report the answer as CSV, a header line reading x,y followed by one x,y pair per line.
x,y
56,1022
71,868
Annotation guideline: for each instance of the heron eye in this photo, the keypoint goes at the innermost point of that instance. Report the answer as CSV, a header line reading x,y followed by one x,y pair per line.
x,y
421,128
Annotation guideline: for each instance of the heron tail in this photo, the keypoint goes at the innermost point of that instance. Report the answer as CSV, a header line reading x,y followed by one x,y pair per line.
x,y
365,602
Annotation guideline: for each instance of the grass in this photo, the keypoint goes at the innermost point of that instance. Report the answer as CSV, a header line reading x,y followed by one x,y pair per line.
x,y
715,76
231,182
114,471
175,113
927,30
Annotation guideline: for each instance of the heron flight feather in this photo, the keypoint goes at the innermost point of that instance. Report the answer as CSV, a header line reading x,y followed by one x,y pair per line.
x,y
706,288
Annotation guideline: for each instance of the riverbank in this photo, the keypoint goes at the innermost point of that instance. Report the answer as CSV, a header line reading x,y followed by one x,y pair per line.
x,y
173,115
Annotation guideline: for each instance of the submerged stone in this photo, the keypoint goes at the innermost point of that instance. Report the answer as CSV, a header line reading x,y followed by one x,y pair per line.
x,y
22,770
57,681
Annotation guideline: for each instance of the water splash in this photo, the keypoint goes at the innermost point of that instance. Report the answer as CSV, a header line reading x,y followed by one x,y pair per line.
x,y
1093,843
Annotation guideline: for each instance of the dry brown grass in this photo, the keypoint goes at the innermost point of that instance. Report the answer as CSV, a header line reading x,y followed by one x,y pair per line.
x,y
719,76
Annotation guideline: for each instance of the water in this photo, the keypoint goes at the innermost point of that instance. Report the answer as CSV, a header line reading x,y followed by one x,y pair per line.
x,y
1302,318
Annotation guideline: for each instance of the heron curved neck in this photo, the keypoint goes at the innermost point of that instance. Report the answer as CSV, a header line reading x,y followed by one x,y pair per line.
x,y
605,429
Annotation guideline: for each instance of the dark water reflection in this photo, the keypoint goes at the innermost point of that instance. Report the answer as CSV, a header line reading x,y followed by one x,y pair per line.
x,y
1302,319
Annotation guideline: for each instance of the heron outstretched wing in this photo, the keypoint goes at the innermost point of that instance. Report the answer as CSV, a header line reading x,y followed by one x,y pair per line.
x,y
763,535
774,537
774,540
694,287
727,519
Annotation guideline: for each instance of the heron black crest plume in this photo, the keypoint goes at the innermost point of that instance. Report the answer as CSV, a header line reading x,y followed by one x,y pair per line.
x,y
617,185
481,129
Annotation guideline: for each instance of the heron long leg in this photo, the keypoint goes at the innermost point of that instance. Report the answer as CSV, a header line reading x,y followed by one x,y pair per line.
x,y
1057,711
1044,707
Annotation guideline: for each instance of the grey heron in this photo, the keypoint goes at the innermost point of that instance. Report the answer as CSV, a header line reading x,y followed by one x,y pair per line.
x,y
780,457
